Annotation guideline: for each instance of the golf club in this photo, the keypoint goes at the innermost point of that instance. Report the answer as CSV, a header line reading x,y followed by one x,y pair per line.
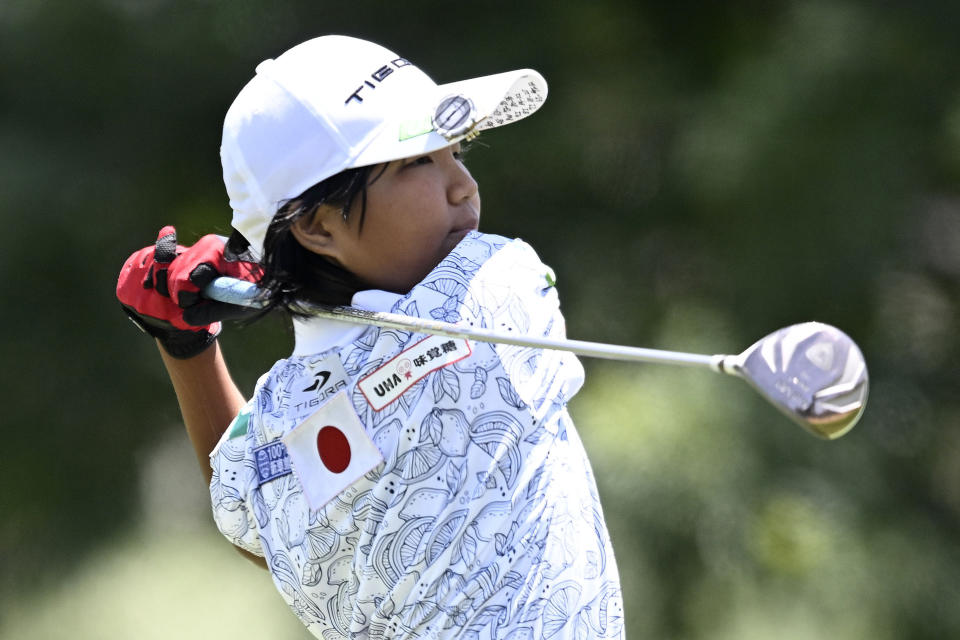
x,y
813,372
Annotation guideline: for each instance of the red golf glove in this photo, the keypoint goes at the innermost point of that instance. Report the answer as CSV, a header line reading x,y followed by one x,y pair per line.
x,y
160,289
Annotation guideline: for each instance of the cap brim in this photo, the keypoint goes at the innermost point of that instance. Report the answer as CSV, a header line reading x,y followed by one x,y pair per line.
x,y
499,99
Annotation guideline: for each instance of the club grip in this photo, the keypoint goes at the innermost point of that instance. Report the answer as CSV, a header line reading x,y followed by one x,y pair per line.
x,y
233,291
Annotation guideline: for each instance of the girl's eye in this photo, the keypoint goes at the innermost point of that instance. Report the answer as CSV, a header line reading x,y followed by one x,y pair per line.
x,y
421,160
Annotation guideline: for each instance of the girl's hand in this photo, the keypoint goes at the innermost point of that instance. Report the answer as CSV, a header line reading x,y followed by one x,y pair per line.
x,y
159,288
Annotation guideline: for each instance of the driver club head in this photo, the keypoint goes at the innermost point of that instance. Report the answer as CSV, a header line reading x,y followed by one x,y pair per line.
x,y
813,372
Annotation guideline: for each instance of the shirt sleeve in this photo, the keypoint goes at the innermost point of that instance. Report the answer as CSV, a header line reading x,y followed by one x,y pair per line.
x,y
516,293
232,483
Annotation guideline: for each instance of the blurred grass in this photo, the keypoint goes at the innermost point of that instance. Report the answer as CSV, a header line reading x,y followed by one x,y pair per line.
x,y
150,587
172,576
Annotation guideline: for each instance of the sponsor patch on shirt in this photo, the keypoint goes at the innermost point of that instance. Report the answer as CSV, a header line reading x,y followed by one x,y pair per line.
x,y
330,450
327,379
391,380
271,461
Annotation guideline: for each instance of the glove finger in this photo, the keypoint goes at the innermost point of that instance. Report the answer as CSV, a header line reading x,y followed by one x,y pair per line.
x,y
151,326
202,275
237,249
160,282
219,253
206,313
136,284
157,326
165,249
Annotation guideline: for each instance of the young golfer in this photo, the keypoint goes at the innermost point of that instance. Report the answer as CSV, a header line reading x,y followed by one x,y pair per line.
x,y
396,485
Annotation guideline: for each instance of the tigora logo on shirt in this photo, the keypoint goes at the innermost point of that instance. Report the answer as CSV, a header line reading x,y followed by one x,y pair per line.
x,y
329,379
411,365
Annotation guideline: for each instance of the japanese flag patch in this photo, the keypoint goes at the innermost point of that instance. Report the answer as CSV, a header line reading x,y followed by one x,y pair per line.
x,y
330,450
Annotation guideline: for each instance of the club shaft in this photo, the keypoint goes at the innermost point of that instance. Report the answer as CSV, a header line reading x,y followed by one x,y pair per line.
x,y
239,292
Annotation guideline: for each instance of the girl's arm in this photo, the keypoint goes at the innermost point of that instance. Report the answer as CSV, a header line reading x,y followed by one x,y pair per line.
x,y
153,284
209,399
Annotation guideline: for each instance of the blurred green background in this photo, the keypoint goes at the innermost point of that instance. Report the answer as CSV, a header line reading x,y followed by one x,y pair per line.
x,y
702,174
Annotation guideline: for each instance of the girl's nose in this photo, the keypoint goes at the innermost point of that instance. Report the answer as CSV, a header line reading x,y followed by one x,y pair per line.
x,y
462,185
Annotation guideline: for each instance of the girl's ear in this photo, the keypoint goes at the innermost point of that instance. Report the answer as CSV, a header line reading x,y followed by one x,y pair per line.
x,y
315,232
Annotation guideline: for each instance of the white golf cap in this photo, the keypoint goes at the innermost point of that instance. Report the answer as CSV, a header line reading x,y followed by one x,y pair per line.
x,y
335,102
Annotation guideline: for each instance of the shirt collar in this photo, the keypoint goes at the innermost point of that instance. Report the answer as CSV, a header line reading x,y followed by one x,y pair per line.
x,y
316,335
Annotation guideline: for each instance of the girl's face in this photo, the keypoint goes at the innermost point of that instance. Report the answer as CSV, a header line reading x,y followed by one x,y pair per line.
x,y
417,211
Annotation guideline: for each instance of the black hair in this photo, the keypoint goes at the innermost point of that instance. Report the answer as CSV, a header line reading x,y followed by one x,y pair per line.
x,y
293,274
